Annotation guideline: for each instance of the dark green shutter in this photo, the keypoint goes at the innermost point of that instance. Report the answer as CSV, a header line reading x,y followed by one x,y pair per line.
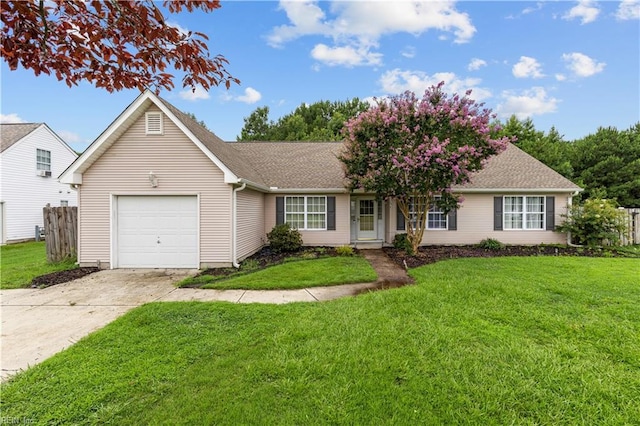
x,y
452,220
551,213
279,210
331,213
400,219
497,213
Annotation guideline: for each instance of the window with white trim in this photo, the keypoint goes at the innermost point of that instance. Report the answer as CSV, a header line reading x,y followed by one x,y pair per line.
x,y
64,203
436,218
524,212
306,212
43,160
153,123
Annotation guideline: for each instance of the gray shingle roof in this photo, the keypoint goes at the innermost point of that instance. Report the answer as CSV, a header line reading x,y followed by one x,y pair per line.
x,y
294,164
10,133
515,169
314,165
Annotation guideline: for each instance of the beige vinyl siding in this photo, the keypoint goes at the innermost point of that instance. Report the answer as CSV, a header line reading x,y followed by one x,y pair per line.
x,y
250,221
475,223
181,169
341,236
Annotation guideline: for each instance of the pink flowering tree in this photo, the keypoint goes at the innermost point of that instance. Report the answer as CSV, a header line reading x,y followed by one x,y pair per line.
x,y
414,150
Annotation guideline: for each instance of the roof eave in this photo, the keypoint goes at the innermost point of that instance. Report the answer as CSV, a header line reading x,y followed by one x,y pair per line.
x,y
277,190
514,190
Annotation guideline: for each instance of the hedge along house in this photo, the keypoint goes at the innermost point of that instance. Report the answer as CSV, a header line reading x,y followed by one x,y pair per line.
x,y
157,190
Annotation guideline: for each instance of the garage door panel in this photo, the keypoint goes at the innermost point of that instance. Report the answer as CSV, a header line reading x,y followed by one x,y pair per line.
x,y
157,232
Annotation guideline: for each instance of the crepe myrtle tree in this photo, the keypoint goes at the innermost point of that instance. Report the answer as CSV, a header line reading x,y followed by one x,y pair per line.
x,y
414,150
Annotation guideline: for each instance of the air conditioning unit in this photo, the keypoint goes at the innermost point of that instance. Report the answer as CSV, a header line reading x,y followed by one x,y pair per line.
x,y
44,173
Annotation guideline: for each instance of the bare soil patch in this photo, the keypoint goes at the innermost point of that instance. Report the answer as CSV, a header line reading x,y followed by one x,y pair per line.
x,y
61,277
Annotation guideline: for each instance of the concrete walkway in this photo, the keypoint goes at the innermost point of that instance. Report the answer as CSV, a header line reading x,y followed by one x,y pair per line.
x,y
38,323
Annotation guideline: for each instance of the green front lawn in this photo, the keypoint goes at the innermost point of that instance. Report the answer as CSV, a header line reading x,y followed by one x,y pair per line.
x,y
295,274
20,263
539,340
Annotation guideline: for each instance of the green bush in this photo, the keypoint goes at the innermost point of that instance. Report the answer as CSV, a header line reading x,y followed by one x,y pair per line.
x,y
344,251
401,242
491,244
284,238
595,223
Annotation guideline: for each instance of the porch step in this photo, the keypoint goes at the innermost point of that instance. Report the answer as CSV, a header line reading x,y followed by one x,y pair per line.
x,y
368,244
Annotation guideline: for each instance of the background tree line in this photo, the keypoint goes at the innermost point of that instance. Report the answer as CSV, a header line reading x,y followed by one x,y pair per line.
x,y
606,164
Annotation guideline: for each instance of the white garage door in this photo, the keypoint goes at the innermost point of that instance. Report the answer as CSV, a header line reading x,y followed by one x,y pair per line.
x,y
157,232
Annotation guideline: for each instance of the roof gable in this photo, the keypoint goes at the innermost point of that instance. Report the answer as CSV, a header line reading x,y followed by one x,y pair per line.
x,y
73,174
11,133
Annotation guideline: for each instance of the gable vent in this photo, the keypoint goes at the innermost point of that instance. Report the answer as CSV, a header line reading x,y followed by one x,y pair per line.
x,y
153,123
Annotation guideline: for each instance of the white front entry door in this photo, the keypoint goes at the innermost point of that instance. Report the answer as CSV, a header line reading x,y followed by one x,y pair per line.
x,y
367,218
157,232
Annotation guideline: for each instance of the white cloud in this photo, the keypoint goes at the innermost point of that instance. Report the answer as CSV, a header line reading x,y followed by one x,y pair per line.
x,y
69,137
527,67
397,81
408,52
476,64
194,95
534,101
628,9
11,118
561,77
581,65
528,10
358,25
348,56
251,96
585,10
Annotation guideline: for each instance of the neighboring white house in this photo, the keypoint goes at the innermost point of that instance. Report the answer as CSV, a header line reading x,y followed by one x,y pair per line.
x,y
32,157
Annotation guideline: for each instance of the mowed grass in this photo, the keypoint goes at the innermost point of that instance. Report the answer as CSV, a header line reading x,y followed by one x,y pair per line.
x,y
300,274
21,263
538,340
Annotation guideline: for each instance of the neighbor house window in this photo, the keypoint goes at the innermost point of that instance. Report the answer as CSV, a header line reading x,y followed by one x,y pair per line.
x,y
306,212
524,212
436,218
43,160
64,203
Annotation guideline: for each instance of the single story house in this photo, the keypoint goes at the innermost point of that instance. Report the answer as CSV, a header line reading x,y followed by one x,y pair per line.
x,y
156,189
31,158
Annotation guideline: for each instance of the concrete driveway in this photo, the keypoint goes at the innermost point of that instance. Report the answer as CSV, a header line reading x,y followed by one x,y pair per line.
x,y
38,323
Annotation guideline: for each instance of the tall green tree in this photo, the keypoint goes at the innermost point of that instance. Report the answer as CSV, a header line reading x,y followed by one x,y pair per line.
x,y
415,149
320,121
607,164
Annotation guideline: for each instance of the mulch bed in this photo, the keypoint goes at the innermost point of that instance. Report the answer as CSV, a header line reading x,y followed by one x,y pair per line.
x,y
61,277
267,257
432,254
429,254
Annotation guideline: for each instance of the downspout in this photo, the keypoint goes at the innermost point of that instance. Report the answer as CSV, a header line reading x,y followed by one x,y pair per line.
x,y
234,230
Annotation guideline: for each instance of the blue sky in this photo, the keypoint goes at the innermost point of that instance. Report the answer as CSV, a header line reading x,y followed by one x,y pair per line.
x,y
573,65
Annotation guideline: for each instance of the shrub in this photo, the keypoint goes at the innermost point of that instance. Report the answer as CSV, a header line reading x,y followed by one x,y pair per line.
x,y
249,265
491,244
595,223
284,238
344,251
401,242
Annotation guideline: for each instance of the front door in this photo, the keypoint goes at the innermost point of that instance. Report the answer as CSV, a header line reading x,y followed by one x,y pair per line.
x,y
367,218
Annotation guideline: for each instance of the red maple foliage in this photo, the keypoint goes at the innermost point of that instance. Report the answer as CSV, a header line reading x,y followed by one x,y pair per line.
x,y
112,44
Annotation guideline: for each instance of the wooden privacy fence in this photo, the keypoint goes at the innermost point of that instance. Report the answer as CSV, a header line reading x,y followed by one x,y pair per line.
x,y
60,232
632,219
